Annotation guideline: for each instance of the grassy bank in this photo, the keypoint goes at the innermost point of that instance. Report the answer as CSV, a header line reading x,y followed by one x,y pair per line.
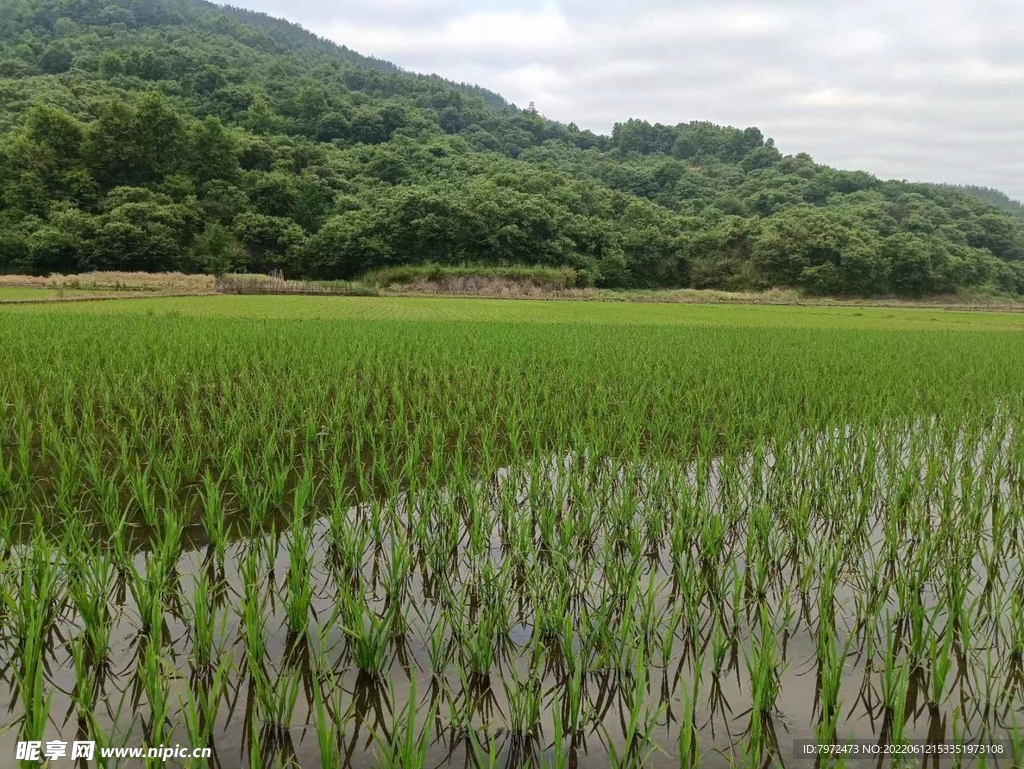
x,y
434,281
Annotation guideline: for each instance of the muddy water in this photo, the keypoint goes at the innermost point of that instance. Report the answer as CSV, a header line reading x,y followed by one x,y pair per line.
x,y
981,702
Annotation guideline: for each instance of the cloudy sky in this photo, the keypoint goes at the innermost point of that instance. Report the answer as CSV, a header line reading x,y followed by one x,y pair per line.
x,y
929,90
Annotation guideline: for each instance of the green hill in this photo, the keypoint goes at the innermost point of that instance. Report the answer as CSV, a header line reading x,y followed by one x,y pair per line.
x,y
176,134
997,198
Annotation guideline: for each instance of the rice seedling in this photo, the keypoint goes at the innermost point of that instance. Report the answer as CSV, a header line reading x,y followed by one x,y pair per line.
x,y
832,664
767,506
438,649
299,582
763,672
689,733
157,690
485,759
477,642
32,613
524,705
369,640
91,596
940,655
895,681
763,669
214,520
253,614
639,717
404,748
199,704
275,700
208,635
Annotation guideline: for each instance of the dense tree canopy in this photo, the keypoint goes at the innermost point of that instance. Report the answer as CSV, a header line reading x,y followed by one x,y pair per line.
x,y
175,134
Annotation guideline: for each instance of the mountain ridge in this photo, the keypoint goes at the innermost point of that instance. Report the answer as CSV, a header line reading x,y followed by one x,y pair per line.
x,y
179,134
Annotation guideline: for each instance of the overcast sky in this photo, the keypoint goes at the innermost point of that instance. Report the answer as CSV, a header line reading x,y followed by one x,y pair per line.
x,y
929,90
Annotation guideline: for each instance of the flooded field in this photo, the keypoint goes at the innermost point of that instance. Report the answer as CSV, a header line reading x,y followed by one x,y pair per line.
x,y
410,543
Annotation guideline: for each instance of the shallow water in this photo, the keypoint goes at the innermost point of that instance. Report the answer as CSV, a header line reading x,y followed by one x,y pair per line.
x,y
669,551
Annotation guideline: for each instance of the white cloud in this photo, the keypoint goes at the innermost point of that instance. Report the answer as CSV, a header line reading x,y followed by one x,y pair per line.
x,y
681,24
476,34
845,98
980,71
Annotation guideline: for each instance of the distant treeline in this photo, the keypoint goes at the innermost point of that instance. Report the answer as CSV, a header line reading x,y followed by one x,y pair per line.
x,y
178,135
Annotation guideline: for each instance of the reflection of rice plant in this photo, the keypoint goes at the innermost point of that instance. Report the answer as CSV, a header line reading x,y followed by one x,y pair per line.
x,y
491,758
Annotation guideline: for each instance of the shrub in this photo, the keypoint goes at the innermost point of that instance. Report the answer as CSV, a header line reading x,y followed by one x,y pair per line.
x,y
552,278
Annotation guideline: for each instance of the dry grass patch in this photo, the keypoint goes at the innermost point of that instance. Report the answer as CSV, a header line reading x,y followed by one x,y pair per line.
x,y
164,282
489,286
275,284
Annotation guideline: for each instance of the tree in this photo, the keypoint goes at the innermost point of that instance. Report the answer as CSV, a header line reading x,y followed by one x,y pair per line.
x,y
862,268
368,126
111,64
56,58
333,125
260,118
213,152
209,80
911,268
14,252
347,246
63,245
135,144
217,251
272,242
273,193
311,103
56,133
146,64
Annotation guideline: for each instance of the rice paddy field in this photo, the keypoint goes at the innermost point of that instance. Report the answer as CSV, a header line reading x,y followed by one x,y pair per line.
x,y
325,531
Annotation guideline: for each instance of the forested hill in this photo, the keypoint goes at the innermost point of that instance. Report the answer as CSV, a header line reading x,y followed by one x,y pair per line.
x,y
175,134
996,197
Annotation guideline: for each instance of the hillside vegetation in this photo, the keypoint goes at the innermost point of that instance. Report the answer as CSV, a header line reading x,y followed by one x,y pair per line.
x,y
178,135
